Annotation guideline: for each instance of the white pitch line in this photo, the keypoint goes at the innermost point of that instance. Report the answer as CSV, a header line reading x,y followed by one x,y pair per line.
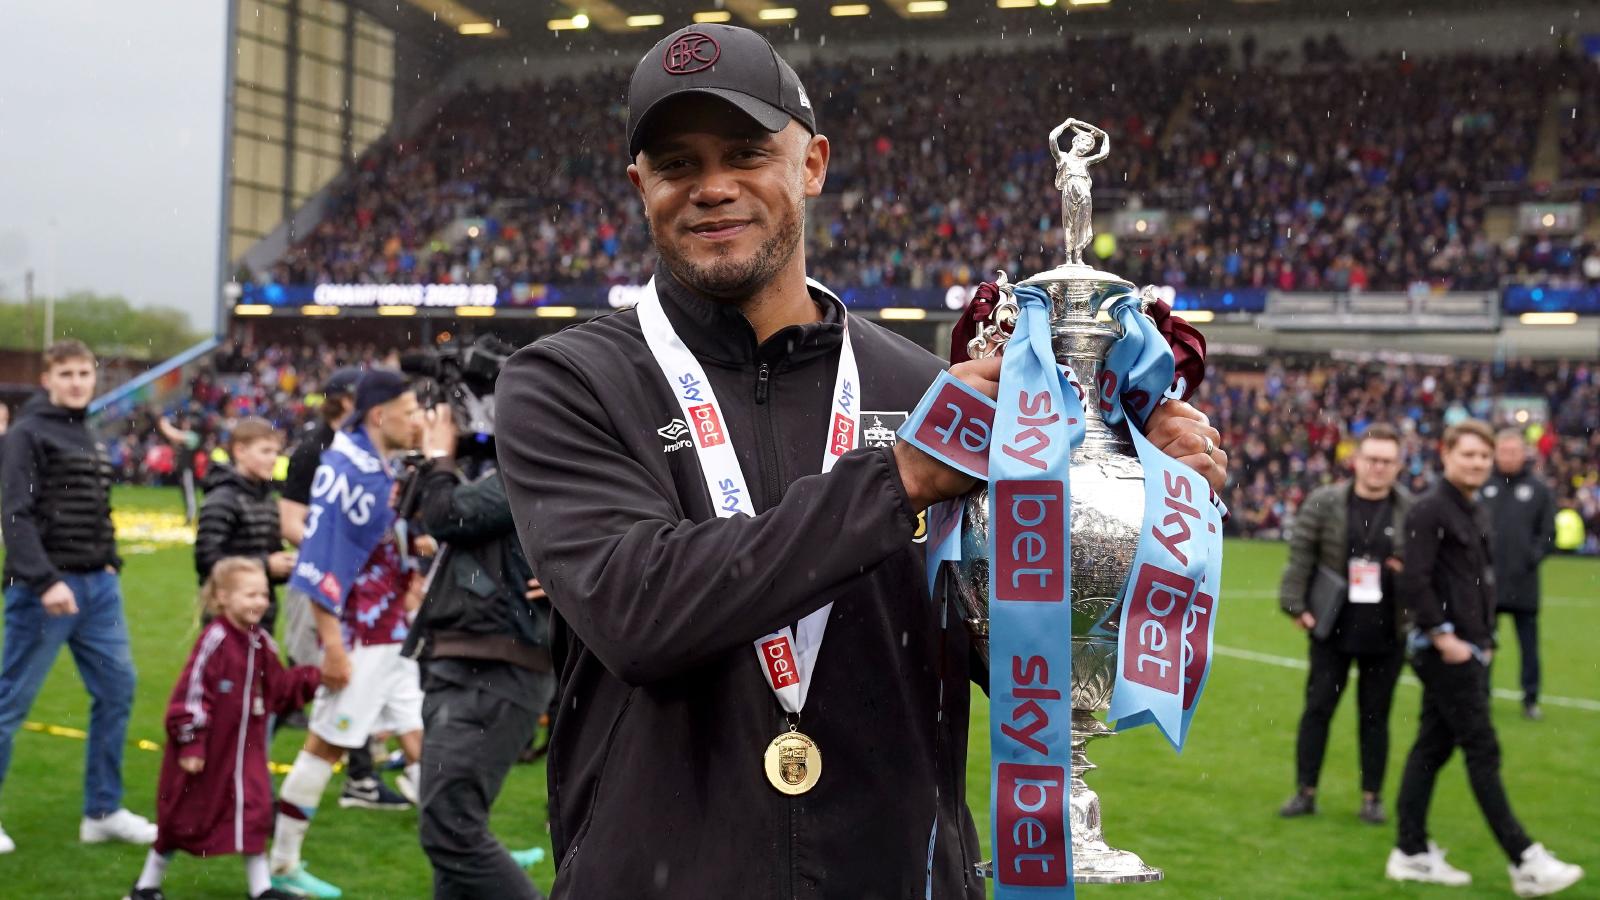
x,y
1547,601
1286,662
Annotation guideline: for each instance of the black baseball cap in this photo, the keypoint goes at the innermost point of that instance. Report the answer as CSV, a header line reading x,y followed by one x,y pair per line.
x,y
734,64
342,381
377,386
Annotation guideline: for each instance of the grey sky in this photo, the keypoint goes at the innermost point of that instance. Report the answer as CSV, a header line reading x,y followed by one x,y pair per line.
x,y
111,127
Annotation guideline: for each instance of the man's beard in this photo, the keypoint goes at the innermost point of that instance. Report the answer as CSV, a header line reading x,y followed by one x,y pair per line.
x,y
729,279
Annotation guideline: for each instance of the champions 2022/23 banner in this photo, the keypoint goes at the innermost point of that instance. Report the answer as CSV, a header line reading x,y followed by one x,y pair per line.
x,y
1021,446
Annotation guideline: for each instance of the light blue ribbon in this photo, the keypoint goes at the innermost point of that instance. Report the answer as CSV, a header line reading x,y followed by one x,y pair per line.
x,y
1169,604
1030,613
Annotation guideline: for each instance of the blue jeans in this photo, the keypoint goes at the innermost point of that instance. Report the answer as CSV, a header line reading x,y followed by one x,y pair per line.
x,y
98,638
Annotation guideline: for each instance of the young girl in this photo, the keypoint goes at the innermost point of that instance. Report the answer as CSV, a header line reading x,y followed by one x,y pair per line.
x,y
216,792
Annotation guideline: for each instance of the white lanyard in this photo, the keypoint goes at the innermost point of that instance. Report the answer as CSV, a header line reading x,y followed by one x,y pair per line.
x,y
789,676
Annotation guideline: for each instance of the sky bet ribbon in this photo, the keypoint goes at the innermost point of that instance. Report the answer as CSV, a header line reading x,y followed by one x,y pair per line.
x,y
1030,613
1169,605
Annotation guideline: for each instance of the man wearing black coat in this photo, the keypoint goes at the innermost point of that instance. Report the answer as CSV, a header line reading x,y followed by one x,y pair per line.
x,y
681,764
1524,515
1447,584
483,632
62,584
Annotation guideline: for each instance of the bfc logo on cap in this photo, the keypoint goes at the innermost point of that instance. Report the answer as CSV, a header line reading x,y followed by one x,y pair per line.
x,y
691,53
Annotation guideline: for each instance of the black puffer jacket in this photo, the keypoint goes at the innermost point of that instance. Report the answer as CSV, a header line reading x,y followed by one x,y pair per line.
x,y
239,518
55,497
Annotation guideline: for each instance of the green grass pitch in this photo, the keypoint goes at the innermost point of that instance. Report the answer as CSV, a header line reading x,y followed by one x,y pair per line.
x,y
1208,817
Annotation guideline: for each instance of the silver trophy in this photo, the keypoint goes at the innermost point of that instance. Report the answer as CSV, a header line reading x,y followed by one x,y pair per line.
x,y
1107,499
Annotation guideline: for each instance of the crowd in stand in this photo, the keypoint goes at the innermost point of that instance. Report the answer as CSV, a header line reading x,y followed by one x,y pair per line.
x,y
1580,130
279,383
1291,428
1370,177
1316,172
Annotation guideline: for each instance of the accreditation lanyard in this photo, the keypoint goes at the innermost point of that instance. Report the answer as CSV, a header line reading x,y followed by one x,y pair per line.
x,y
788,672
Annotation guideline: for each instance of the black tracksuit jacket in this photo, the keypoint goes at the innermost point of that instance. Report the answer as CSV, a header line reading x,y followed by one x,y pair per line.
x,y
656,781
55,497
1524,516
1449,569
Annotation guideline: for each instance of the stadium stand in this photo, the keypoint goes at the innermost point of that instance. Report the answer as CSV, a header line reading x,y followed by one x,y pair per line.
x,y
1319,171
1328,173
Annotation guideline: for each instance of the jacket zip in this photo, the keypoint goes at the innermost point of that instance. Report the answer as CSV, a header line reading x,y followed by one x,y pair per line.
x,y
244,726
770,491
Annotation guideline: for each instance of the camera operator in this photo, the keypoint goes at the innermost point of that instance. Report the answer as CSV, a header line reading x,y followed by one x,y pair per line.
x,y
482,633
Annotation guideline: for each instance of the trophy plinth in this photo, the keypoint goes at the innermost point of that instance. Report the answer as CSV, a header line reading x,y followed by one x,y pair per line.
x,y
1107,511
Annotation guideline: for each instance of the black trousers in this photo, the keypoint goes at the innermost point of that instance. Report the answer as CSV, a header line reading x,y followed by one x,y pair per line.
x,y
1455,713
1527,625
470,740
1330,672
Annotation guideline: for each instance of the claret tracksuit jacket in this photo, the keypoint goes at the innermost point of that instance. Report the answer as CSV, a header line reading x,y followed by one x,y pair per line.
x,y
656,781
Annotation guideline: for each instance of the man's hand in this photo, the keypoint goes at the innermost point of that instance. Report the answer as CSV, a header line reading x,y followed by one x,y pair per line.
x,y
281,564
335,667
1306,621
535,591
192,764
1452,649
59,600
1185,434
414,593
926,480
439,432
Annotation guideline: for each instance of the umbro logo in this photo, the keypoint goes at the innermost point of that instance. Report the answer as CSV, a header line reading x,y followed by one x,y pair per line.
x,y
675,435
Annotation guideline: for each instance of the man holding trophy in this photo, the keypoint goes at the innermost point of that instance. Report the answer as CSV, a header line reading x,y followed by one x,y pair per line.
x,y
760,693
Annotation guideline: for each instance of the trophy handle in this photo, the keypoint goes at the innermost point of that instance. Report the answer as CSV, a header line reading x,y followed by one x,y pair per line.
x,y
993,334
1147,298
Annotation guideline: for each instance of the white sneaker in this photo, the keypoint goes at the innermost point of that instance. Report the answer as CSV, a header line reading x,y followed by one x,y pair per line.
x,y
1428,867
6,843
1540,873
119,826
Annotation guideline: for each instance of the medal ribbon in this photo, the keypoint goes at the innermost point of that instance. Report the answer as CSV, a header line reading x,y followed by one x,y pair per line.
x,y
1168,620
788,673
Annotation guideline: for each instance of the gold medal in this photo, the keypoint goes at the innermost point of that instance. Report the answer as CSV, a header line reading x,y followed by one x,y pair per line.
x,y
793,763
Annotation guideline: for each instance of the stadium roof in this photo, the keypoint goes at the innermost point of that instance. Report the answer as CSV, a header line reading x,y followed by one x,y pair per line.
x,y
462,27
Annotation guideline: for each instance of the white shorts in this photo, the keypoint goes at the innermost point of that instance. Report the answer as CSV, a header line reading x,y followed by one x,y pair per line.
x,y
384,695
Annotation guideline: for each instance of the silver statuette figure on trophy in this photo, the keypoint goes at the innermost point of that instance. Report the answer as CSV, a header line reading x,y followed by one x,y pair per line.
x,y
1107,499
1072,180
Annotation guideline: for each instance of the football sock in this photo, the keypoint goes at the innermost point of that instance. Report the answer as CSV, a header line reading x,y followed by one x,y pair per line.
x,y
297,803
414,773
257,875
358,763
155,868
